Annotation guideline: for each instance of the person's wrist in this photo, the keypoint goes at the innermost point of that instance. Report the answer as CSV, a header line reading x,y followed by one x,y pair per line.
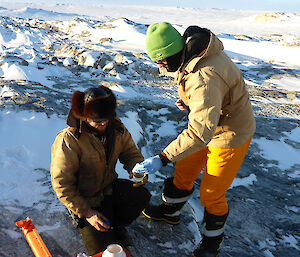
x,y
164,159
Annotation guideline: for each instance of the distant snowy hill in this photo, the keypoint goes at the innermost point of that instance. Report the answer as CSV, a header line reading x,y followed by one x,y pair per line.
x,y
33,13
49,51
279,17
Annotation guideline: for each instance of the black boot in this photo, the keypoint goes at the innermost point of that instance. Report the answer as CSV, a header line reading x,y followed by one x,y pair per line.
x,y
209,246
173,199
212,236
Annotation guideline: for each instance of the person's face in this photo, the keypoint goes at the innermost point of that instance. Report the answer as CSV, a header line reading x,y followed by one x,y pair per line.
x,y
170,64
99,125
162,64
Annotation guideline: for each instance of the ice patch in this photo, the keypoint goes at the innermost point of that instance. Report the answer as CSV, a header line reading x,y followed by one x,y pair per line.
x,y
68,61
25,145
89,58
285,155
167,129
6,92
13,72
267,253
291,240
43,228
267,246
163,111
292,208
125,92
166,244
12,234
286,83
30,73
294,134
131,123
246,181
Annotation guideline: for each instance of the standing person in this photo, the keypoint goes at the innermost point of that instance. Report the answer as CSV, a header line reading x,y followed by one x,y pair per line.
x,y
83,161
220,127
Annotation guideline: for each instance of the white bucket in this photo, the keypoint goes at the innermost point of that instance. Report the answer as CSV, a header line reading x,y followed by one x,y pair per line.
x,y
114,250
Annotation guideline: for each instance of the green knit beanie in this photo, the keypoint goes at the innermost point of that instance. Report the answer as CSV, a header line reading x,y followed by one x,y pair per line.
x,y
163,41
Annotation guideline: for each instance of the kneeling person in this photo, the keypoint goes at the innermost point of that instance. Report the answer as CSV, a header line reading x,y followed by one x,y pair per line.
x,y
83,162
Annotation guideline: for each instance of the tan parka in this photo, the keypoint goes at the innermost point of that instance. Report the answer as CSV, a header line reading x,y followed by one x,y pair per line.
x,y
80,169
220,114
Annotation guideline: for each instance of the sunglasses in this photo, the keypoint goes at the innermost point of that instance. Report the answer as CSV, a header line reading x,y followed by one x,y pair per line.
x,y
100,120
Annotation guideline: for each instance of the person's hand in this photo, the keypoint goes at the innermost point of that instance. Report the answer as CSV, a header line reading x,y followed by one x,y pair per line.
x,y
150,165
139,178
97,220
180,105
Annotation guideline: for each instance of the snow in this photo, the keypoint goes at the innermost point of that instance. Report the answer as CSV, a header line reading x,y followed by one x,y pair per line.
x,y
27,12
167,130
13,72
291,240
287,83
90,58
292,208
247,181
267,253
12,234
131,123
68,61
267,51
25,144
26,137
6,92
282,153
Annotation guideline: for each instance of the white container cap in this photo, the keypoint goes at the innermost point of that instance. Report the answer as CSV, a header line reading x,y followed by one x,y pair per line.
x,y
114,250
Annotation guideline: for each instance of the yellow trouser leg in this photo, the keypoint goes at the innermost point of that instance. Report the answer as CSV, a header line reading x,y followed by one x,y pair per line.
x,y
188,169
222,165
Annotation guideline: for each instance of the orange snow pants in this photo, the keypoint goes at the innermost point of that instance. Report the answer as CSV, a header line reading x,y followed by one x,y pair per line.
x,y
221,167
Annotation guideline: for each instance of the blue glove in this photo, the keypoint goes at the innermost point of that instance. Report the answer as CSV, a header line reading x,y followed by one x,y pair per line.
x,y
150,165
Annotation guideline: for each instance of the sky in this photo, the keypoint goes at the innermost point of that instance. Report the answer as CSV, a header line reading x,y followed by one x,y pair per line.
x,y
265,5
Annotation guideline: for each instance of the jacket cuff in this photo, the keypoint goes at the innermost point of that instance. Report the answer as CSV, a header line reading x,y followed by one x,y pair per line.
x,y
164,158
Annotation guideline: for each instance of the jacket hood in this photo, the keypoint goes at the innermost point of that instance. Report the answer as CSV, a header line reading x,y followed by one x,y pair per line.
x,y
199,40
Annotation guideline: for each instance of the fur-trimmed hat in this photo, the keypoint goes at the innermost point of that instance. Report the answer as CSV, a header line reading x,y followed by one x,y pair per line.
x,y
94,103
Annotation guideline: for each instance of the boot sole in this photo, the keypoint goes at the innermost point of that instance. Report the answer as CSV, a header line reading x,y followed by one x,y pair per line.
x,y
161,219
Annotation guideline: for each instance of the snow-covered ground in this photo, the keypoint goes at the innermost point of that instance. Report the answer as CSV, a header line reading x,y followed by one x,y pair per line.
x,y
49,51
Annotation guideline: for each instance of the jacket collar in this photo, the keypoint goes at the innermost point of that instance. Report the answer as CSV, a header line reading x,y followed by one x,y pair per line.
x,y
215,46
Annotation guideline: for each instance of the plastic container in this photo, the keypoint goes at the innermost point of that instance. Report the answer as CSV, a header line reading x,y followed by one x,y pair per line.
x,y
113,250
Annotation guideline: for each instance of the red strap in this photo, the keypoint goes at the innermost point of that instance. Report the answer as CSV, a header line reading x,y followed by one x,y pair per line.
x,y
202,52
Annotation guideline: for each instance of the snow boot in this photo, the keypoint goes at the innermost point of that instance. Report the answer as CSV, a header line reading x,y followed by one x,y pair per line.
x,y
173,199
212,236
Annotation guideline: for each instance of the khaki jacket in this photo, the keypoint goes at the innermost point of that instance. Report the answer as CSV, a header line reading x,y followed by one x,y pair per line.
x,y
213,89
80,169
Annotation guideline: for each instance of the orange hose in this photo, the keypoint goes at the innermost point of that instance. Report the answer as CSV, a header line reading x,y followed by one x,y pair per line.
x,y
33,238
